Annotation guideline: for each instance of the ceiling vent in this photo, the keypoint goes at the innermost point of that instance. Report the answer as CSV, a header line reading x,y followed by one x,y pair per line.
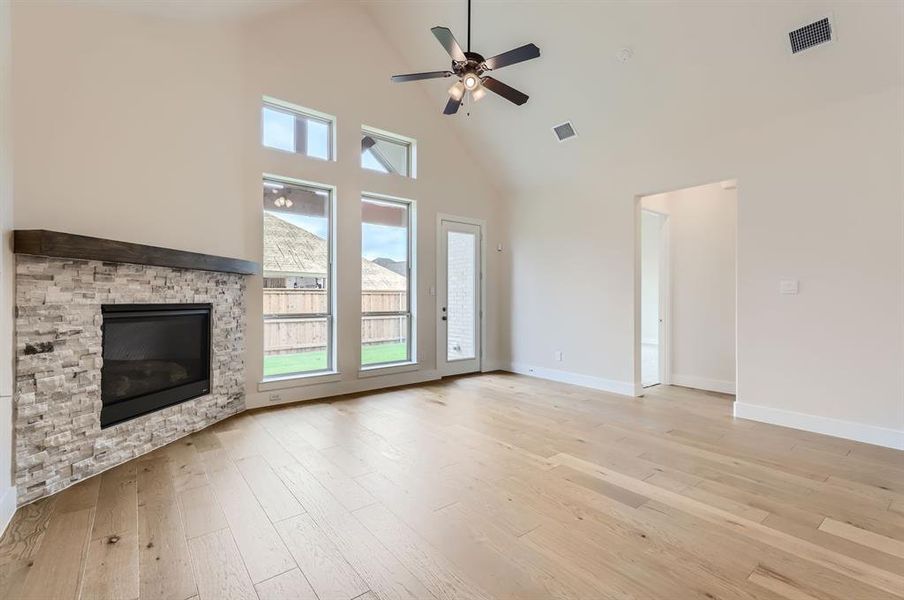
x,y
564,131
818,32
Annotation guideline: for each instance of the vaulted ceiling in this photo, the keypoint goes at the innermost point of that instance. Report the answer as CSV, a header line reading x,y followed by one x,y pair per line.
x,y
697,68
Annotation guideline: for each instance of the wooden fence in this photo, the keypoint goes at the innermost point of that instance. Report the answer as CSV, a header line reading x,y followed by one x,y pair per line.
x,y
286,335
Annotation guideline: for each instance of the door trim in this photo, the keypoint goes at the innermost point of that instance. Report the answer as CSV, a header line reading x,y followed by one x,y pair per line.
x,y
665,297
664,337
665,300
437,308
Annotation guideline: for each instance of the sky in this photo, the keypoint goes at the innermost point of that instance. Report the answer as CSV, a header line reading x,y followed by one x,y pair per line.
x,y
378,241
279,133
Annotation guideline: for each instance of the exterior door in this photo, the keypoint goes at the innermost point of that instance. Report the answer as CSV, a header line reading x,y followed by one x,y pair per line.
x,y
458,294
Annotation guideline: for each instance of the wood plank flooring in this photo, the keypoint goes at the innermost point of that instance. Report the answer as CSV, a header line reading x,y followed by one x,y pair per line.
x,y
489,486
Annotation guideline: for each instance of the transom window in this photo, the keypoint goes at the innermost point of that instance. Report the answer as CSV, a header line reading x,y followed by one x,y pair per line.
x,y
298,279
294,129
386,290
387,153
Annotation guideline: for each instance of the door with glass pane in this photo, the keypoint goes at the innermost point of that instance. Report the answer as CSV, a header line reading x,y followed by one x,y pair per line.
x,y
458,293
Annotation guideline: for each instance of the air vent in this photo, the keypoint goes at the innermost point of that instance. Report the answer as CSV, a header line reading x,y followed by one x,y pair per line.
x,y
564,131
810,35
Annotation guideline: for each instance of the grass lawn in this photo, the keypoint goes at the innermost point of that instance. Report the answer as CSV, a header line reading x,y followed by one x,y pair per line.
x,y
301,362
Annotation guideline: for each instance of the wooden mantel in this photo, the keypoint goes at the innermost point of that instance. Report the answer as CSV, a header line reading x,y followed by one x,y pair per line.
x,y
41,242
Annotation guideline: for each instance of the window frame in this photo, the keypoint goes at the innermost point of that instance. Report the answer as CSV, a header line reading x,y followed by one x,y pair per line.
x,y
394,138
411,268
332,351
306,113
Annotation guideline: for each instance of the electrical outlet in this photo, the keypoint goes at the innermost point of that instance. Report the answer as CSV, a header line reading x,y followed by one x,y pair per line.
x,y
559,355
274,397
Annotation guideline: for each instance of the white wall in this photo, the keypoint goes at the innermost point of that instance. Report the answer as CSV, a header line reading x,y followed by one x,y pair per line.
x,y
128,127
144,129
702,255
820,199
353,83
7,491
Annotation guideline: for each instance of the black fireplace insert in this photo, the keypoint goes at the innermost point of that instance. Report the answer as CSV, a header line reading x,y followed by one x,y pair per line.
x,y
155,355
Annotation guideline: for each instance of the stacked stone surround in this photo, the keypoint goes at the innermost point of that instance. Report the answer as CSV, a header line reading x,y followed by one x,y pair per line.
x,y
58,361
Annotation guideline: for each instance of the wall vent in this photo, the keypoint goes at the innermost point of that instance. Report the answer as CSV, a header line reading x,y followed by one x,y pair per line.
x,y
810,35
564,131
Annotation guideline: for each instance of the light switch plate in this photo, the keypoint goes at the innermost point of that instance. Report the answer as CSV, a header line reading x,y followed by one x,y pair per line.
x,y
788,287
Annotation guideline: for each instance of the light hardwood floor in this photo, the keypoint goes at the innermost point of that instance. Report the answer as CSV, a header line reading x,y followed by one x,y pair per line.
x,y
491,486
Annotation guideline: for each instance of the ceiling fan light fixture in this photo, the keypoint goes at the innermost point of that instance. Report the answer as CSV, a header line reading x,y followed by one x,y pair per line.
x,y
457,91
470,69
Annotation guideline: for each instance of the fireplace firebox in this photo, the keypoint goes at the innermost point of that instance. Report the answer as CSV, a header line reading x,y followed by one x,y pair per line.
x,y
154,356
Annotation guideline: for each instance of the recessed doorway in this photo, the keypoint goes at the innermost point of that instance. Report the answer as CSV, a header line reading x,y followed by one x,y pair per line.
x,y
686,288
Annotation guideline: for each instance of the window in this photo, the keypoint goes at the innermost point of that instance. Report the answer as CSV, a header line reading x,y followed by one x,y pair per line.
x,y
298,279
387,153
293,129
386,291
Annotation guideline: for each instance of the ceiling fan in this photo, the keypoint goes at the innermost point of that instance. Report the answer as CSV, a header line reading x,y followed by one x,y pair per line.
x,y
471,70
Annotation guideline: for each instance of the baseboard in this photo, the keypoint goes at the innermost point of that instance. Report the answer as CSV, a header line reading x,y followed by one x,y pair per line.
x,y
290,395
625,388
869,434
702,383
7,508
490,365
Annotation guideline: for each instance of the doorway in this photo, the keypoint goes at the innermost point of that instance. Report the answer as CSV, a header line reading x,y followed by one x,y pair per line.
x,y
686,288
459,295
654,298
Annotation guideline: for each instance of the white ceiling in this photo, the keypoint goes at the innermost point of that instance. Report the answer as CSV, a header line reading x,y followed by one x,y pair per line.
x,y
196,9
698,68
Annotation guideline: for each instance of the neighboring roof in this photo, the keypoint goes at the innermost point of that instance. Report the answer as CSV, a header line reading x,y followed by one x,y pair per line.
x,y
290,251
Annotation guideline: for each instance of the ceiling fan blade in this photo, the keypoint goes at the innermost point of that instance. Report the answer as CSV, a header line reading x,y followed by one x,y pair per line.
x,y
419,76
445,37
452,106
512,57
367,143
507,92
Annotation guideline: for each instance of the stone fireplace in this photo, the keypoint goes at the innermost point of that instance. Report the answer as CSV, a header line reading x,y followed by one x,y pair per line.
x,y
61,302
